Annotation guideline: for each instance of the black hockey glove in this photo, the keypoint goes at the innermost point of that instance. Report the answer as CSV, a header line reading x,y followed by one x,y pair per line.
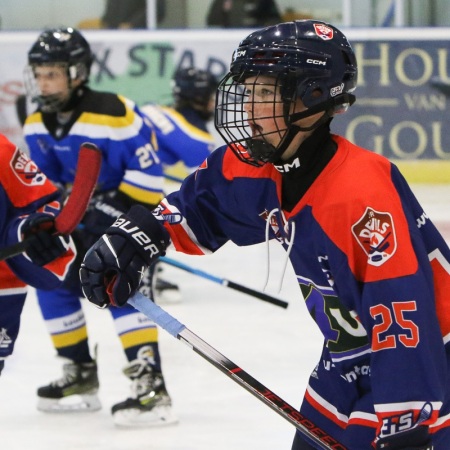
x,y
113,267
413,439
43,244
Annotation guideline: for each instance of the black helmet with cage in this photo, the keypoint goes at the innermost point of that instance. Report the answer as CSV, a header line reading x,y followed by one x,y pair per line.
x,y
193,87
308,60
66,47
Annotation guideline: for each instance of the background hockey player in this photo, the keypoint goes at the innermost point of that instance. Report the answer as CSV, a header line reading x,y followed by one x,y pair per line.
x,y
184,140
182,129
68,114
373,269
29,203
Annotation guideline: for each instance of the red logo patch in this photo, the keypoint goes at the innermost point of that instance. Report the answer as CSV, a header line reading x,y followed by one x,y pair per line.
x,y
324,32
26,170
281,231
375,234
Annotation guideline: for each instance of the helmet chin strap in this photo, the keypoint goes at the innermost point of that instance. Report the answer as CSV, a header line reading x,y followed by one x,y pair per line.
x,y
264,152
329,106
53,103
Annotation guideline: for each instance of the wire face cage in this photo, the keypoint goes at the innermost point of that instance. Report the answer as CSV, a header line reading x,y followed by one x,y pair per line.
x,y
250,116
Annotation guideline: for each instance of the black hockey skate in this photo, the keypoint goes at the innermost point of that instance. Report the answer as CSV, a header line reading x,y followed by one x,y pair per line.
x,y
75,391
166,292
150,404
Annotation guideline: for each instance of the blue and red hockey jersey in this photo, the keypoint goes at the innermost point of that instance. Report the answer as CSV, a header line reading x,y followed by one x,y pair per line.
x,y
373,269
24,189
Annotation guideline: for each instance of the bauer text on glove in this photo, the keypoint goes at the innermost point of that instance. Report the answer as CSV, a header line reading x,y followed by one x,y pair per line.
x,y
112,268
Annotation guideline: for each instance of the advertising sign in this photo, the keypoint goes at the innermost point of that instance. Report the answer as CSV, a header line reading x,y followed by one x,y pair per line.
x,y
402,107
403,89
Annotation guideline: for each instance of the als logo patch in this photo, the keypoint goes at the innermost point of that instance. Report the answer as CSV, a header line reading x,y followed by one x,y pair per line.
x,y
375,233
324,32
26,170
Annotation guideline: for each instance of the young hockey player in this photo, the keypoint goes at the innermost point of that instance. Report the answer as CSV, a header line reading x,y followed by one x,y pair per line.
x,y
181,129
70,113
184,140
29,203
373,269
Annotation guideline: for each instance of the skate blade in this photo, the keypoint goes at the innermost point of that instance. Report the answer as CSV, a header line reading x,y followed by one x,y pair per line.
x,y
70,404
159,416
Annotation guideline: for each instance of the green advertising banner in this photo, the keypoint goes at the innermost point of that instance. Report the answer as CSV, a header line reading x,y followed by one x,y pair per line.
x,y
403,89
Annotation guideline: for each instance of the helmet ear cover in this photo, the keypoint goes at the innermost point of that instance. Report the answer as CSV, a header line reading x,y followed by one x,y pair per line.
x,y
79,71
314,94
332,106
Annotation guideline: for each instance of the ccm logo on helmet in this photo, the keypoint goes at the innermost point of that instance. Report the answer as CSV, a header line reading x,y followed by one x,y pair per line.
x,y
316,61
239,53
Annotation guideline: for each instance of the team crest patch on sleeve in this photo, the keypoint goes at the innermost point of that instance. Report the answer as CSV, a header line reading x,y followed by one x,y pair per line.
x,y
273,223
324,32
164,215
26,170
375,234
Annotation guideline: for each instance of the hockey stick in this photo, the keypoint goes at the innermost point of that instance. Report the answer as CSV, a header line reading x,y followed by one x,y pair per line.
x,y
225,282
236,373
86,175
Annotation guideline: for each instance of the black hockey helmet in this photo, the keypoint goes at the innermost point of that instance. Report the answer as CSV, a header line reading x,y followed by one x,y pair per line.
x,y
309,60
194,87
64,46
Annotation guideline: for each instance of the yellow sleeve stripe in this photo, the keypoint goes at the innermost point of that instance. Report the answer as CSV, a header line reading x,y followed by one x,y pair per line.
x,y
106,119
188,128
93,118
141,195
33,118
34,125
96,126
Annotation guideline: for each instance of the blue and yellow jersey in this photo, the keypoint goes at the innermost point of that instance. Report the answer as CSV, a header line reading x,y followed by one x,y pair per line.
x,y
181,136
115,124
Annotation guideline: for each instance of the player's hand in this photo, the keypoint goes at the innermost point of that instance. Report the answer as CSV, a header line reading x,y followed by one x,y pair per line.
x,y
45,244
414,439
113,267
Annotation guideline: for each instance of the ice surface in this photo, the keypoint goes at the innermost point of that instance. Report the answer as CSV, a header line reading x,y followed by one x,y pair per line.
x,y
278,347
